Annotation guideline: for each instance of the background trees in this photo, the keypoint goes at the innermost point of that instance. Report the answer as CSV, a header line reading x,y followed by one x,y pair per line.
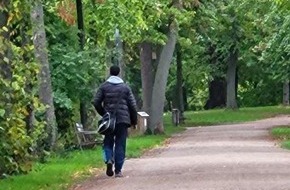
x,y
41,57
184,54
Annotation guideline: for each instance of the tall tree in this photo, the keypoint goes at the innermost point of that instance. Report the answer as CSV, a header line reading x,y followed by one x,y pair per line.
x,y
217,86
182,16
119,53
179,83
229,28
161,76
275,48
231,79
232,60
157,23
41,56
81,34
286,93
147,74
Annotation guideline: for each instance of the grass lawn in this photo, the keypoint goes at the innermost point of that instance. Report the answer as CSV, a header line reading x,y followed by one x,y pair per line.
x,y
282,133
213,117
57,173
63,171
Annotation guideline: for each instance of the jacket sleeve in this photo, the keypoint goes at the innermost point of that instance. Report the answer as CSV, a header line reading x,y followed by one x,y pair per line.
x,y
98,99
132,108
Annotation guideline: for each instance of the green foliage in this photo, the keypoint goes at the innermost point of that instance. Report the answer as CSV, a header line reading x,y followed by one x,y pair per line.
x,y
248,26
137,21
262,92
75,74
18,142
275,55
196,77
19,137
258,29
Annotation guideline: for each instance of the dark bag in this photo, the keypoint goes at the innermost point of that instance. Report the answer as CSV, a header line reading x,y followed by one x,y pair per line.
x,y
106,125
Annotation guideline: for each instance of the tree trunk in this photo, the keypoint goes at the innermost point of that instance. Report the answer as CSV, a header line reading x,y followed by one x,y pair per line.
x,y
80,20
147,75
217,87
217,94
81,34
179,84
30,118
286,93
231,79
119,60
109,56
25,40
159,87
45,90
185,103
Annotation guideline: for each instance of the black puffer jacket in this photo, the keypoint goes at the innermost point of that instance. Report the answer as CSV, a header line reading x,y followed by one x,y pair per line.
x,y
107,97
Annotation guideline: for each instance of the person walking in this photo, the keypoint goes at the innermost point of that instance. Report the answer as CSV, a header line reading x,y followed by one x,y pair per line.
x,y
115,95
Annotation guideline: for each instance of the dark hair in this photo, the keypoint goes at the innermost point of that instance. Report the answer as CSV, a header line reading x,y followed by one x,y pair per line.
x,y
114,70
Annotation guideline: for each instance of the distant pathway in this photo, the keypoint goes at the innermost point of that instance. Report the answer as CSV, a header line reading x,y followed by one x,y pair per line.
x,y
225,157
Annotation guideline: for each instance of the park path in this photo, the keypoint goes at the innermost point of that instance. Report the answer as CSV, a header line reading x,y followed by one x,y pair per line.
x,y
225,157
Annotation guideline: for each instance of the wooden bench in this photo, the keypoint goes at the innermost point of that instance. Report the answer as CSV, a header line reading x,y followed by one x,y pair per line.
x,y
86,138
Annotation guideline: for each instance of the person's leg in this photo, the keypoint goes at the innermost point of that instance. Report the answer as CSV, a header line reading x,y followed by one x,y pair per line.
x,y
108,153
120,147
108,145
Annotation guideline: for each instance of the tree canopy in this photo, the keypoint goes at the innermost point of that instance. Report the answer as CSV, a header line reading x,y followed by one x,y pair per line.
x,y
189,54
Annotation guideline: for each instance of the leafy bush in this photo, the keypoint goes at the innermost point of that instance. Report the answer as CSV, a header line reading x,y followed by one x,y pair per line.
x,y
19,135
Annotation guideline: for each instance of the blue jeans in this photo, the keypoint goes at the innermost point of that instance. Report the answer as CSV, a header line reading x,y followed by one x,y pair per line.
x,y
114,146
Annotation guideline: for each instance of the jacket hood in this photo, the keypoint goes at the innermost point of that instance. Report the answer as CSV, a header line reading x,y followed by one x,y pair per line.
x,y
115,80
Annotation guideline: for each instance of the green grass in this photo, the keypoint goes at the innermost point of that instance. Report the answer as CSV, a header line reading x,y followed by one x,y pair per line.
x,y
61,172
137,145
213,117
282,133
286,144
57,173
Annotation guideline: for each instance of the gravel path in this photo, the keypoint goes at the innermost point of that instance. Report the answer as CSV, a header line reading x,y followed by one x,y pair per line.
x,y
224,157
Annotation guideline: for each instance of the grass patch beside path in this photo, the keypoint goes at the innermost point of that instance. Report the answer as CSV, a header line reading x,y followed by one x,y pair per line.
x,y
282,134
61,172
221,116
57,173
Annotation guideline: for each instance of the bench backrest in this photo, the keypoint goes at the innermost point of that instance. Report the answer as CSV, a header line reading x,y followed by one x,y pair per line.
x,y
79,127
